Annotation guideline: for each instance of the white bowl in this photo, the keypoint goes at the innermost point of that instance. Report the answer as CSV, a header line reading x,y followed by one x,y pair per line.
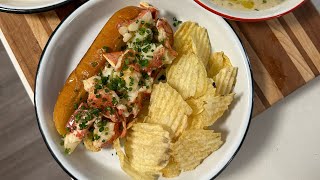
x,y
69,43
261,15
30,6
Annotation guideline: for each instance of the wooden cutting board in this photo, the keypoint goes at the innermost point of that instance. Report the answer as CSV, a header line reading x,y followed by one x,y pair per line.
x,y
284,52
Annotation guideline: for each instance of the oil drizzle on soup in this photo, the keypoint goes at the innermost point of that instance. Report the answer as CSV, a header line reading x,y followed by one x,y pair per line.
x,y
248,4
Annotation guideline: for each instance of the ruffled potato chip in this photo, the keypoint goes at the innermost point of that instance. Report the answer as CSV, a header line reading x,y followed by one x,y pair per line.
x,y
197,121
193,146
217,61
188,76
168,109
147,147
171,170
190,37
126,167
225,80
182,38
215,107
196,105
201,44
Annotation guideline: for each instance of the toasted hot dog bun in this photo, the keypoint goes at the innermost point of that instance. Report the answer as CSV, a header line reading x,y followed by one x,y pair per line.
x,y
73,92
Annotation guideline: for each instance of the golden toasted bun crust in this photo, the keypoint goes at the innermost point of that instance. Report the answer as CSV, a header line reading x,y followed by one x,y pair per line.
x,y
73,92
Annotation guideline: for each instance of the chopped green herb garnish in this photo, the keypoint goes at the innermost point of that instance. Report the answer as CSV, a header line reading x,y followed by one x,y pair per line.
x,y
67,151
95,111
101,129
144,62
108,108
176,22
114,101
131,81
94,64
126,61
145,75
96,137
142,31
104,80
75,105
111,111
78,117
83,125
97,86
106,49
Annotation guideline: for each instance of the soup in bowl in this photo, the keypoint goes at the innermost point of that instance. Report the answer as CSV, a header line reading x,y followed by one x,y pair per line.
x,y
250,10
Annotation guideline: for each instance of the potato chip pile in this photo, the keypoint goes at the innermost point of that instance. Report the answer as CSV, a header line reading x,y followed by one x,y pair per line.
x,y
173,134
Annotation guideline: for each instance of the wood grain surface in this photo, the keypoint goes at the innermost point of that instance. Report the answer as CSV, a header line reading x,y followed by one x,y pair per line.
x,y
23,153
284,52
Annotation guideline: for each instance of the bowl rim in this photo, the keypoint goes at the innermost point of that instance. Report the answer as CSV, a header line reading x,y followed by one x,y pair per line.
x,y
73,176
33,10
247,19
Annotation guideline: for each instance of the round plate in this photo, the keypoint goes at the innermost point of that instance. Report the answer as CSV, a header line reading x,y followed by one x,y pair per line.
x,y
250,16
30,6
70,42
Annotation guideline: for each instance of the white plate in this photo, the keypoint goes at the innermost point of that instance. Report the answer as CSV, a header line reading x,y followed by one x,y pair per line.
x,y
30,6
70,42
240,15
